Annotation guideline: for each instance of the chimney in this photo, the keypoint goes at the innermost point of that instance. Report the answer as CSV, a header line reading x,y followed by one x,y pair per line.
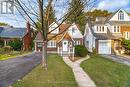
x,y
28,26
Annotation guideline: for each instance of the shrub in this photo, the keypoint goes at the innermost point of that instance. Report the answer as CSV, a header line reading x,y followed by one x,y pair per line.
x,y
94,51
7,48
81,51
16,44
1,43
126,45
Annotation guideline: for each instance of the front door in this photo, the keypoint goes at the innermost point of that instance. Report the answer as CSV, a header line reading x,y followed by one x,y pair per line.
x,y
65,45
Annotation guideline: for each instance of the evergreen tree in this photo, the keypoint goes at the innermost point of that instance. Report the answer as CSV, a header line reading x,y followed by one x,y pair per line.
x,y
52,17
78,16
98,13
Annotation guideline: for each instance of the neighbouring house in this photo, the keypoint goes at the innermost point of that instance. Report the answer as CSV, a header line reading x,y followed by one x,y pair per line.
x,y
68,36
8,33
106,33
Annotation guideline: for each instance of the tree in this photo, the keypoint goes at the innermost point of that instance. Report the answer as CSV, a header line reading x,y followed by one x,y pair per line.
x,y
44,18
3,24
75,17
97,13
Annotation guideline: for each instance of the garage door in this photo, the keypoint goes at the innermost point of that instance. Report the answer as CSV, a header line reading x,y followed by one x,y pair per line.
x,y
104,47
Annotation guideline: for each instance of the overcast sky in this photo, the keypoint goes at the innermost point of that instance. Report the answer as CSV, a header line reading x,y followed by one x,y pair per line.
x,y
110,5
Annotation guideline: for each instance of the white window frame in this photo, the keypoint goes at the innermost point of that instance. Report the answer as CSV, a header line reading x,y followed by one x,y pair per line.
x,y
101,29
116,29
120,16
51,44
127,35
77,42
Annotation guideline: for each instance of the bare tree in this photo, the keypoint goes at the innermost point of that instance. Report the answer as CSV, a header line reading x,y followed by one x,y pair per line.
x,y
29,11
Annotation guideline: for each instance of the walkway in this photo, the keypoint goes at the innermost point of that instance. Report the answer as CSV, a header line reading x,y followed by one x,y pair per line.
x,y
81,77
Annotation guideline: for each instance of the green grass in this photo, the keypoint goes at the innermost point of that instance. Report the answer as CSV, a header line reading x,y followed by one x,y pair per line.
x,y
57,75
106,72
12,54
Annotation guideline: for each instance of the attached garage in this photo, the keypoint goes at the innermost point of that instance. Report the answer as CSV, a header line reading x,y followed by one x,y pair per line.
x,y
104,47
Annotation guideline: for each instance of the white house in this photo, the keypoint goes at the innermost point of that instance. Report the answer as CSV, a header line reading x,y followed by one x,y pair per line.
x,y
105,34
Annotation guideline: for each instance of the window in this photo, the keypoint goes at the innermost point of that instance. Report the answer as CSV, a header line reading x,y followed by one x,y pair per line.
x,y
51,44
103,28
100,29
97,28
77,42
127,35
120,16
73,30
116,29
39,44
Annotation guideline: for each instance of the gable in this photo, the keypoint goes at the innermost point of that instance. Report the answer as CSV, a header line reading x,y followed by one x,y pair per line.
x,y
115,17
74,31
53,26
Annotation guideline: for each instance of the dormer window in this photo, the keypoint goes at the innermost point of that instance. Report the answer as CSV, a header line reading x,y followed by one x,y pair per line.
x,y
121,16
101,29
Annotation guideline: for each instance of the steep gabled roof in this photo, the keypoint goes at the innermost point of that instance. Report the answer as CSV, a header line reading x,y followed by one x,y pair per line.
x,y
39,37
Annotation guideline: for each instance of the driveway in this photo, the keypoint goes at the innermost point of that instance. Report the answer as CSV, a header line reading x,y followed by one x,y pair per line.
x,y
118,58
13,69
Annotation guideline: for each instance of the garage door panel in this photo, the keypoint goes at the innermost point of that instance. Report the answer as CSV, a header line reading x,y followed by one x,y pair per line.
x,y
104,47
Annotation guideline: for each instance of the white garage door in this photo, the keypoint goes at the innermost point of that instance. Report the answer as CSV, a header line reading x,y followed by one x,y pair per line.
x,y
104,47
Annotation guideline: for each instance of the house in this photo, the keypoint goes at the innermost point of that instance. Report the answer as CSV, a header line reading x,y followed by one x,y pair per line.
x,y
68,35
105,34
8,33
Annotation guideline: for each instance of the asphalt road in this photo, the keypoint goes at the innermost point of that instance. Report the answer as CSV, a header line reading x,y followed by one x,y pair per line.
x,y
119,59
14,69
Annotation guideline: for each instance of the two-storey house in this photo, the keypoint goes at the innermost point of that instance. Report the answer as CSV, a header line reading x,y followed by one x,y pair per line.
x,y
106,33
68,35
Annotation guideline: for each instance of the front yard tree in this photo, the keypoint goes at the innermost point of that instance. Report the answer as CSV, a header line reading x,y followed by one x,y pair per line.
x,y
43,16
75,17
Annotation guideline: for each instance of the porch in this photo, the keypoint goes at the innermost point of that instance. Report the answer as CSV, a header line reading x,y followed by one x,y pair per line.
x,y
69,52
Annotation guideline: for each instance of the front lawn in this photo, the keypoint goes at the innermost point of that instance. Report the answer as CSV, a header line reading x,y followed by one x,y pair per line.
x,y
12,54
57,75
106,72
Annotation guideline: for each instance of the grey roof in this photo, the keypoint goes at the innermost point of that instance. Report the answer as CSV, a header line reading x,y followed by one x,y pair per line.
x,y
102,36
11,32
104,20
123,23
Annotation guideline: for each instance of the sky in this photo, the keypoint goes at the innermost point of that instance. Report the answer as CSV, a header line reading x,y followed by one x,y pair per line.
x,y
17,20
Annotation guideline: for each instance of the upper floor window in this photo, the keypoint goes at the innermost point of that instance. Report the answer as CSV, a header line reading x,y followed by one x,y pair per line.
x,y
120,16
101,29
73,30
116,29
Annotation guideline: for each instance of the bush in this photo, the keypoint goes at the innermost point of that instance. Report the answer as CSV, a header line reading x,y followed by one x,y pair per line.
x,y
16,44
7,48
1,43
81,51
94,51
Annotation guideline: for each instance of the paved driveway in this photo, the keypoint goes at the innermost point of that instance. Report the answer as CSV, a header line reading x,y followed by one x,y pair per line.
x,y
119,59
14,69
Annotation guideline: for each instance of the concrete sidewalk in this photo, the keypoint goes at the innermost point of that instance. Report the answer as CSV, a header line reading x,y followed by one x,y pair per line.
x,y
82,79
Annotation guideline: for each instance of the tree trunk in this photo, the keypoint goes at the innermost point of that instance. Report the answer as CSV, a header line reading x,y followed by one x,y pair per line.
x,y
44,55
